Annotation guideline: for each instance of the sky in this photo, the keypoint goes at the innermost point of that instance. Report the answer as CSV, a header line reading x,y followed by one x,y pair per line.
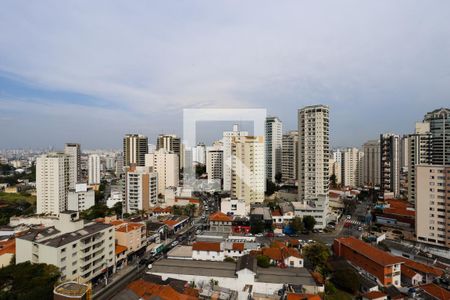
x,y
91,71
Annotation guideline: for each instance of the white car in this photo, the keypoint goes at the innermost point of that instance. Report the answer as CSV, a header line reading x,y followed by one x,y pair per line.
x,y
259,235
349,217
149,266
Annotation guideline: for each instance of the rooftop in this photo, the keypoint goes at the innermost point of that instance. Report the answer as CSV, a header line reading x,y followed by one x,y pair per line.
x,y
220,217
436,291
376,255
374,295
51,237
71,289
206,246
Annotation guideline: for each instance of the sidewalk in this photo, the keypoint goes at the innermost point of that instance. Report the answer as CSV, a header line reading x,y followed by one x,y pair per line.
x,y
116,277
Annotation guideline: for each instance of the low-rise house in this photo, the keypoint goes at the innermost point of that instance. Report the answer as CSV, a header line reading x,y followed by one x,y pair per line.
x,y
317,209
7,251
283,257
410,277
375,263
428,273
211,251
244,276
131,235
161,211
375,295
234,207
156,231
183,201
220,222
261,214
176,223
435,292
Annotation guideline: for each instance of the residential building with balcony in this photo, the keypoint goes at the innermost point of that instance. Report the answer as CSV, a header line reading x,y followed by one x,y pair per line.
x,y
80,251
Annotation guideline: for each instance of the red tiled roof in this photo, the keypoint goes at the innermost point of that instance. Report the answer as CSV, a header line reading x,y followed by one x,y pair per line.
x,y
148,290
292,296
333,195
399,211
8,246
294,242
374,254
206,246
407,272
117,222
374,295
276,213
238,246
292,252
191,200
162,210
127,227
436,291
273,253
420,267
220,217
318,278
120,249
170,222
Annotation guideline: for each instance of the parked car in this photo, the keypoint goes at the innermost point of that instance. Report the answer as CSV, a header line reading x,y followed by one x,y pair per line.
x,y
259,235
269,234
349,217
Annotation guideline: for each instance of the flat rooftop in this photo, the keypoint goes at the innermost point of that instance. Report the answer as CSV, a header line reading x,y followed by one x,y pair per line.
x,y
294,276
181,252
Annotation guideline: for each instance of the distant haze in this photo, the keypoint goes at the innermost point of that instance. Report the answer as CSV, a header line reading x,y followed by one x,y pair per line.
x,y
91,71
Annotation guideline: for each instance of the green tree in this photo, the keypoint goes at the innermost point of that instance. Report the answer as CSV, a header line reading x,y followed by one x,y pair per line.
x,y
257,227
296,224
28,281
270,187
309,222
347,279
117,208
333,181
263,261
278,177
316,255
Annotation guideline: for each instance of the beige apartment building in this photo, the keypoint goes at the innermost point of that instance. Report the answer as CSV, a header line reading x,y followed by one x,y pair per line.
x,y
80,251
248,173
432,204
141,188
166,164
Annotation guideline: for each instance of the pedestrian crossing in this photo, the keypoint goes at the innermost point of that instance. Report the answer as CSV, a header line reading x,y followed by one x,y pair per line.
x,y
353,222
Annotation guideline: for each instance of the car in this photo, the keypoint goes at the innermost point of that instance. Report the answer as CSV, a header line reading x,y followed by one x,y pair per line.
x,y
360,228
349,217
320,230
174,243
269,234
259,235
150,266
310,241
281,234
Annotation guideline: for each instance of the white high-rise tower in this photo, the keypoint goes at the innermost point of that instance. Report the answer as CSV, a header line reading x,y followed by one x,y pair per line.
x,y
274,137
94,169
227,143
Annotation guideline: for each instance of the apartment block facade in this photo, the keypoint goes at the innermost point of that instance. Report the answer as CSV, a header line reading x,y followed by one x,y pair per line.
x,y
135,146
141,189
81,252
289,157
273,139
166,164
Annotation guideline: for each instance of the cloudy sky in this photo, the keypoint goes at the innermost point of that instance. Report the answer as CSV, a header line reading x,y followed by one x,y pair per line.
x,y
90,71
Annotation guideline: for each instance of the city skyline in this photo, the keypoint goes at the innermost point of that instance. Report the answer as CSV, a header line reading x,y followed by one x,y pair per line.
x,y
111,70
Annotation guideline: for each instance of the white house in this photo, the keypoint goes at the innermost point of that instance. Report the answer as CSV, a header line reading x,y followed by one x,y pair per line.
x,y
235,207
212,251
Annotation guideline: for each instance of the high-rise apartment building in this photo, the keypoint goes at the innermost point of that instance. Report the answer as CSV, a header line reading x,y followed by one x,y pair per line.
x,y
214,163
371,163
433,201
248,180
94,169
314,152
141,188
390,164
80,251
199,154
80,198
289,156
352,160
52,183
166,164
335,165
439,121
404,153
172,143
227,159
274,135
74,153
419,152
135,146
